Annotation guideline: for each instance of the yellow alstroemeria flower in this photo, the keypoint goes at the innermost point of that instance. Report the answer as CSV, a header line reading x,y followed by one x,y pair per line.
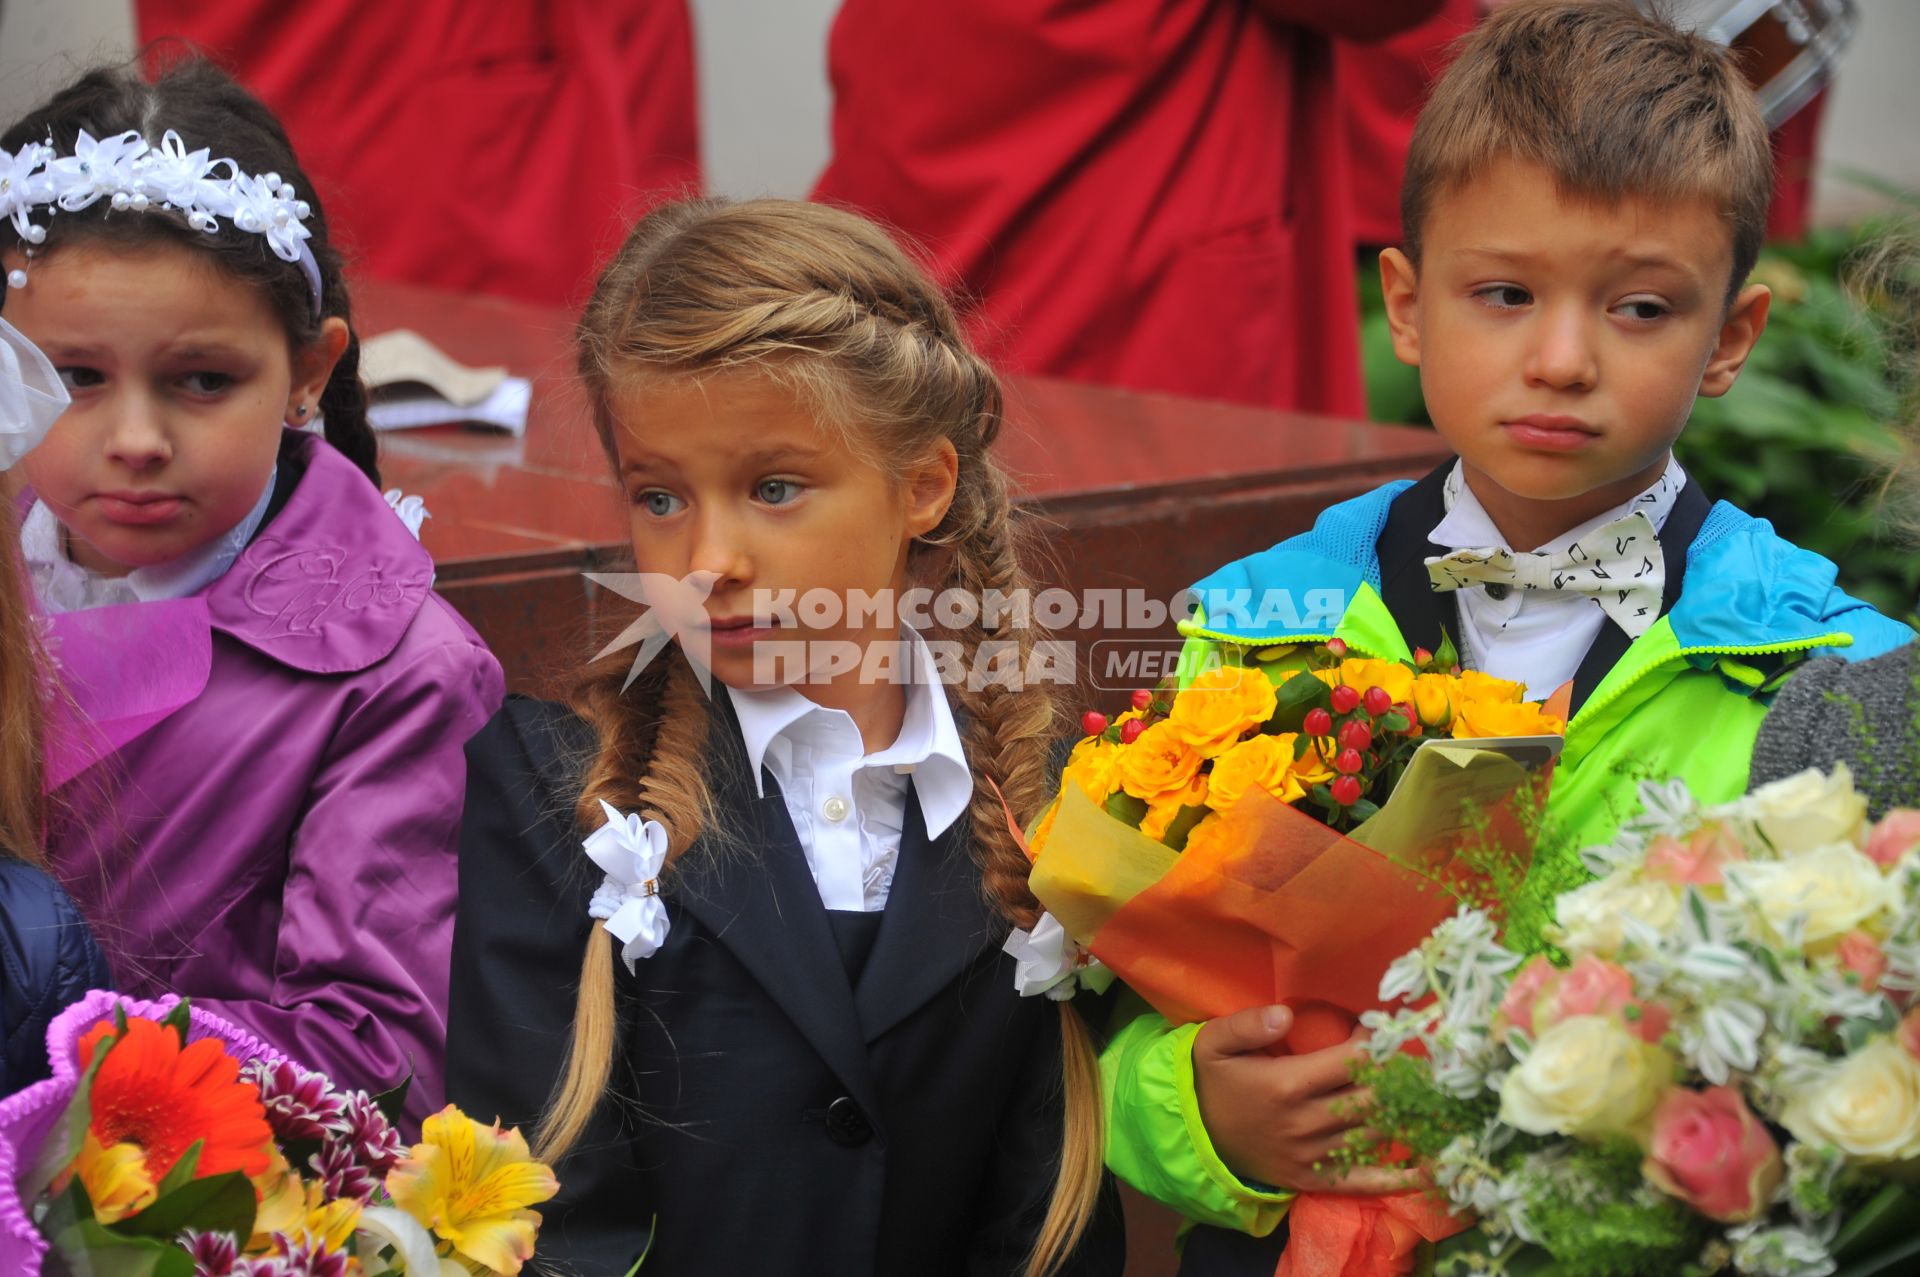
x,y
332,1223
117,1180
471,1184
285,1200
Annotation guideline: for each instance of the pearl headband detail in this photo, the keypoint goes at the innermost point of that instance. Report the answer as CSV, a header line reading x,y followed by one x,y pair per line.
x,y
135,177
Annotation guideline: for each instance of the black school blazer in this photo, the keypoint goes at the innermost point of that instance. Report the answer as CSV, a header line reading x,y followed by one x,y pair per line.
x,y
786,1122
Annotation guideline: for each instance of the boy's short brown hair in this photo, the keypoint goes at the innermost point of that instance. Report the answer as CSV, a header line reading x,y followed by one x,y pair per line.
x,y
1614,103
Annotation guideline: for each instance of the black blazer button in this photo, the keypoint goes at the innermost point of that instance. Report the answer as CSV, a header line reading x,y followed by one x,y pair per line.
x,y
846,1124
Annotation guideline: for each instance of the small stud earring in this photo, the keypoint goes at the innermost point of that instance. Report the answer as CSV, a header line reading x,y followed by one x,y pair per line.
x,y
301,412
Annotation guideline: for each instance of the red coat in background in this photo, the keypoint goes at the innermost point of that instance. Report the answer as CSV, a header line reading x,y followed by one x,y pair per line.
x,y
1383,87
1142,193
484,147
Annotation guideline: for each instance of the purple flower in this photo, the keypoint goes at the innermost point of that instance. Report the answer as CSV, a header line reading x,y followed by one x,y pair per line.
x,y
301,1105
303,1258
214,1254
366,1131
341,1174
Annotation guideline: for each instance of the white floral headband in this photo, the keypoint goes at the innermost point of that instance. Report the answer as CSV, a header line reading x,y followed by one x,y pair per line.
x,y
133,176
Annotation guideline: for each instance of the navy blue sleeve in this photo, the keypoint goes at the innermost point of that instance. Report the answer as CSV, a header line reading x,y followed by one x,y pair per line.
x,y
49,960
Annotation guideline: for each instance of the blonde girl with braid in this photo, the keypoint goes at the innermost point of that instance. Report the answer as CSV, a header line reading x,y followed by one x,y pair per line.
x,y
765,1023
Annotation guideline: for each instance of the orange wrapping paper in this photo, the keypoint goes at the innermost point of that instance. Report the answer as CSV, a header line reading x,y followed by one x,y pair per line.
x,y
1277,908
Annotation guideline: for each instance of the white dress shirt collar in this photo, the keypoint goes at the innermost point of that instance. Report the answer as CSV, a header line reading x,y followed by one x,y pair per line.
x,y
1468,525
773,720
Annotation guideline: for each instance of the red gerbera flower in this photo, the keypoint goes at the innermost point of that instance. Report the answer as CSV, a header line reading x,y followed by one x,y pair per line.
x,y
153,1093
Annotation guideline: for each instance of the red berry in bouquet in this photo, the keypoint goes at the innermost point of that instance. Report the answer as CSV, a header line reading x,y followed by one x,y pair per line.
x,y
1348,761
1345,699
1421,656
1337,648
1317,723
1130,731
1357,735
1093,722
1142,699
1378,701
1345,790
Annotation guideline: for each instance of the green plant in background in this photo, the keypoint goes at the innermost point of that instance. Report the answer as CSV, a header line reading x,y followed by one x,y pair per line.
x,y
1808,434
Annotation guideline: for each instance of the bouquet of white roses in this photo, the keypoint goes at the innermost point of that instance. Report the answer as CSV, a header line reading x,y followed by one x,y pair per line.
x,y
1719,1071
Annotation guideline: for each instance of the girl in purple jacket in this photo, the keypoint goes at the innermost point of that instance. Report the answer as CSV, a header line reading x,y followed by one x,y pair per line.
x,y
257,804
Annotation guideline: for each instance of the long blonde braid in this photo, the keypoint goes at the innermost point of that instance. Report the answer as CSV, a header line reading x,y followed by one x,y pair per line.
x,y
826,304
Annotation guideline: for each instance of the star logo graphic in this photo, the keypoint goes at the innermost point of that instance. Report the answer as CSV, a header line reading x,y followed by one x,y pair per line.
x,y
675,613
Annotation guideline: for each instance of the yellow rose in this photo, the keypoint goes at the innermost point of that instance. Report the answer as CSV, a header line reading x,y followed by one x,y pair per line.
x,y
1834,888
1094,766
1214,711
1478,686
1433,697
1161,812
1868,1106
1801,812
1204,836
1159,765
1037,843
1362,674
1592,919
1586,1077
1503,718
1255,761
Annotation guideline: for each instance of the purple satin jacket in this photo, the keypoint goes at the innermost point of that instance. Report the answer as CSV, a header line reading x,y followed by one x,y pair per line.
x,y
259,802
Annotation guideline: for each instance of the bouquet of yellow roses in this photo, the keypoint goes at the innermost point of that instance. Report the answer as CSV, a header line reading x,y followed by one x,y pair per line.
x,y
1281,830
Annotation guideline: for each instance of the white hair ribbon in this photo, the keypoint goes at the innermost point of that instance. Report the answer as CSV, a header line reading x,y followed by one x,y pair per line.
x,y
31,396
631,852
1047,961
135,177
411,509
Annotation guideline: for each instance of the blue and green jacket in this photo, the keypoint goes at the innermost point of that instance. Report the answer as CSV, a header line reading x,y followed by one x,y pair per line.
x,y
1741,608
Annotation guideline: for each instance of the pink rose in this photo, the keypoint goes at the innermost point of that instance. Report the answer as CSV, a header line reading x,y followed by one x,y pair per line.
x,y
1594,986
1860,953
1698,860
1895,835
1591,986
1909,1033
1711,1152
1516,1008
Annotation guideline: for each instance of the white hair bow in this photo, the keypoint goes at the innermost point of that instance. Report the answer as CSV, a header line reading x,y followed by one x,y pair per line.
x,y
31,396
411,509
1047,961
631,852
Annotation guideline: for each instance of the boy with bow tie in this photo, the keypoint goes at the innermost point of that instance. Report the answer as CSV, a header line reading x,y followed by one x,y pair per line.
x,y
1584,197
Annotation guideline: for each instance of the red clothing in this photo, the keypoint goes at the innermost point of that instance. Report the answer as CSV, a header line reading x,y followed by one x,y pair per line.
x,y
493,148
1143,193
1383,87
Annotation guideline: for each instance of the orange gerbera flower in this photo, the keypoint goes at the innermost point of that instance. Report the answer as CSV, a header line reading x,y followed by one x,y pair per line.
x,y
161,1098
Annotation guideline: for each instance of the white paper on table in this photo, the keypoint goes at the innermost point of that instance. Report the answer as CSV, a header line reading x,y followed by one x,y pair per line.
x,y
504,409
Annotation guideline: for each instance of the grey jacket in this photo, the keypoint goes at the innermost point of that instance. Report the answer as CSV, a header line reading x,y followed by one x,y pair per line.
x,y
1866,715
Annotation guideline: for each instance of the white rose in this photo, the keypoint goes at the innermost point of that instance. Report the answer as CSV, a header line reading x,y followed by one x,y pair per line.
x,y
1587,1077
1868,1106
1808,811
1593,918
1835,888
